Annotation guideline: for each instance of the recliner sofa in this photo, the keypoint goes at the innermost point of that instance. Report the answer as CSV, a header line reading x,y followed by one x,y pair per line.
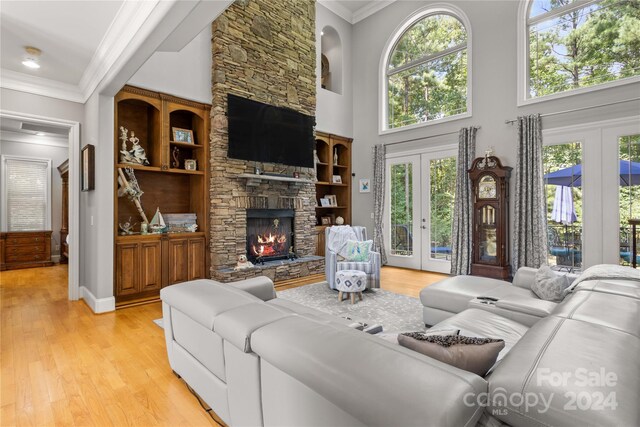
x,y
257,360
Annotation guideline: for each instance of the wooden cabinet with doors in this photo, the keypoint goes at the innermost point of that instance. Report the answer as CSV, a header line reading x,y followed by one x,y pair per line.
x,y
146,263
333,171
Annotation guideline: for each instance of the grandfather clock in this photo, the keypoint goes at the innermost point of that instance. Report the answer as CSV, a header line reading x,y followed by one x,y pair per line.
x,y
490,186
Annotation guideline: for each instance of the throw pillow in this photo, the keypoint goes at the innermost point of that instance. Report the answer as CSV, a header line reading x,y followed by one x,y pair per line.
x,y
477,355
357,251
549,285
393,338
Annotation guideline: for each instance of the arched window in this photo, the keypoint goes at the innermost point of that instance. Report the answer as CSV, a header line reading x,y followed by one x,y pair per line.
x,y
572,45
425,69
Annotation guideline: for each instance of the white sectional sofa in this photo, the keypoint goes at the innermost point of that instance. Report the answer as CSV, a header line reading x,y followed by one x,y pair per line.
x,y
260,361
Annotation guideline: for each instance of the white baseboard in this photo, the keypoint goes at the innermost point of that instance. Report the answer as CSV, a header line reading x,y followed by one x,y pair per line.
x,y
98,305
55,258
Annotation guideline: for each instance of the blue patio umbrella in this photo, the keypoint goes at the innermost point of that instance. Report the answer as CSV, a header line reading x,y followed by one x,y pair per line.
x,y
572,176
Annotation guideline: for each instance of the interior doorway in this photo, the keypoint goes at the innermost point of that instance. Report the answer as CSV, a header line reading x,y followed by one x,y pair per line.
x,y
420,190
73,239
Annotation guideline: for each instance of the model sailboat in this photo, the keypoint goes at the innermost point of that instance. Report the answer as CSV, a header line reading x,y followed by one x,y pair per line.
x,y
157,224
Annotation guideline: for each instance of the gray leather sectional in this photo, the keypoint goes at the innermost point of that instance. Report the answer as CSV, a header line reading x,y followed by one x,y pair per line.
x,y
259,360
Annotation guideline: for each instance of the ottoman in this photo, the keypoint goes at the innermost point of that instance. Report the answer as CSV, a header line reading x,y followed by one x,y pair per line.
x,y
350,282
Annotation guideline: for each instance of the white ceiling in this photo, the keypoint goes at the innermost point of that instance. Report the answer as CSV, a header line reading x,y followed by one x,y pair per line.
x,y
354,11
67,32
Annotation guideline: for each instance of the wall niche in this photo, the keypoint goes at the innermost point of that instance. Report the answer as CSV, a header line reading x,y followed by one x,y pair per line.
x,y
331,57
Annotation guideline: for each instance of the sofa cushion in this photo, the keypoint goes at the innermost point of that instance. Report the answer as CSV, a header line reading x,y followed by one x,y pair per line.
x,y
577,371
366,267
613,311
202,300
454,293
472,354
479,323
287,306
374,381
549,285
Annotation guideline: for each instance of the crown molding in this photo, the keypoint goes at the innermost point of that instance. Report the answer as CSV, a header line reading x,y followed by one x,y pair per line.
x,y
11,136
338,9
370,9
360,14
124,27
40,86
129,19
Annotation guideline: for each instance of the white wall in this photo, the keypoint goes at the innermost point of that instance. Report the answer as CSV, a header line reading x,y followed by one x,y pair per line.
x,y
27,103
494,26
334,111
57,155
186,74
96,207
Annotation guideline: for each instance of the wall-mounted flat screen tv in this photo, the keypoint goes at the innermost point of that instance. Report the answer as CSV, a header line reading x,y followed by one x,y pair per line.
x,y
265,133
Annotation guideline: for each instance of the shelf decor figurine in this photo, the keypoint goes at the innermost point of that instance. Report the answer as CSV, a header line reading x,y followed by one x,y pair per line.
x,y
157,224
243,263
136,155
335,156
174,154
131,189
126,227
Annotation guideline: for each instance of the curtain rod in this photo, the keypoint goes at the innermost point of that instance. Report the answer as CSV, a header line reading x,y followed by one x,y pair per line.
x,y
510,122
425,137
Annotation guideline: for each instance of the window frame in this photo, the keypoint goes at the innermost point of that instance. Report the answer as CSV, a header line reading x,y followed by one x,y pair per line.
x,y
396,35
524,97
4,224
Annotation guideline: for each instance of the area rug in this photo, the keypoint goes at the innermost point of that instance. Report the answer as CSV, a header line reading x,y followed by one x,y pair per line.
x,y
396,313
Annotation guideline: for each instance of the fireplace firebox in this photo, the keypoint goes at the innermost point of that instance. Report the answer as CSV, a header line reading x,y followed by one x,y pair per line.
x,y
269,234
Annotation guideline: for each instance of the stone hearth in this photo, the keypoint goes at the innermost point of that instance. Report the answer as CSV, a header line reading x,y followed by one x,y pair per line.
x,y
262,50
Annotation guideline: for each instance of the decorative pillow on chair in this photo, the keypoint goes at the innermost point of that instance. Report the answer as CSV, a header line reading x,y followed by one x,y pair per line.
x,y
357,251
477,355
549,285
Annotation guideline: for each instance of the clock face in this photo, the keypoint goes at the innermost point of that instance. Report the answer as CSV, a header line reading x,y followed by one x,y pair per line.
x,y
487,188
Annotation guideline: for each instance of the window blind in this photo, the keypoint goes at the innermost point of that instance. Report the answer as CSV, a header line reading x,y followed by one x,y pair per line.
x,y
27,186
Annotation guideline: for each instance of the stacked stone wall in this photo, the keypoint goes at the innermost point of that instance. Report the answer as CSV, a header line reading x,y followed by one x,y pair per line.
x,y
262,50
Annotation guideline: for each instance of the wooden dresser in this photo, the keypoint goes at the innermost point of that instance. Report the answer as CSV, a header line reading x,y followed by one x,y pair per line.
x,y
25,249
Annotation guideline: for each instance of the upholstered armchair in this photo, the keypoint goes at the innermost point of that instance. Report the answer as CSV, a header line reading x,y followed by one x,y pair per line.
x,y
333,263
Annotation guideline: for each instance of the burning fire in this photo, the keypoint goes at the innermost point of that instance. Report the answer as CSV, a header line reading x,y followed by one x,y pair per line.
x,y
269,245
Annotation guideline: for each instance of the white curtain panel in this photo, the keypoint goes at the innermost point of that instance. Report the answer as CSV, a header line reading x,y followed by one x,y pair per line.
x,y
530,213
462,228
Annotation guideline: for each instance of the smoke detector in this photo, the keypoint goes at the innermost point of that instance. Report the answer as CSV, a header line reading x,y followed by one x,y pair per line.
x,y
31,59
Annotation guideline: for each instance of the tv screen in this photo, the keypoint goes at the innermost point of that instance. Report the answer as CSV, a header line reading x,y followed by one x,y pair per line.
x,y
265,133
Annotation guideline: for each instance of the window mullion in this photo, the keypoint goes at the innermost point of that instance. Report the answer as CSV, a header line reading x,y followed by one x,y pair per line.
x,y
560,11
426,59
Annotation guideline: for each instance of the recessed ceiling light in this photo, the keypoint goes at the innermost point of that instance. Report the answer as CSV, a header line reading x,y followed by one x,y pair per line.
x,y
31,58
40,133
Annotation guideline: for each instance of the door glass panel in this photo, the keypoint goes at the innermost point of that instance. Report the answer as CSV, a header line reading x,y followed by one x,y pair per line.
x,y
402,209
442,174
629,194
563,187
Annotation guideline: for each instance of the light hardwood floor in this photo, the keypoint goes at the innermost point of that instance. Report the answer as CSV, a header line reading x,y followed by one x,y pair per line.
x,y
60,364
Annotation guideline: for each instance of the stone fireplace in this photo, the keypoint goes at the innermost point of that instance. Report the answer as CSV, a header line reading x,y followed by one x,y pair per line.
x,y
269,234
262,50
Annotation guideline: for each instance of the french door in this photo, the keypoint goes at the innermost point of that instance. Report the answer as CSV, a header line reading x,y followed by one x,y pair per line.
x,y
588,214
419,210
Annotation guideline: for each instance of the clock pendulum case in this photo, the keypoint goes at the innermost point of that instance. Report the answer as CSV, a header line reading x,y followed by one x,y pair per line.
x,y
490,186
